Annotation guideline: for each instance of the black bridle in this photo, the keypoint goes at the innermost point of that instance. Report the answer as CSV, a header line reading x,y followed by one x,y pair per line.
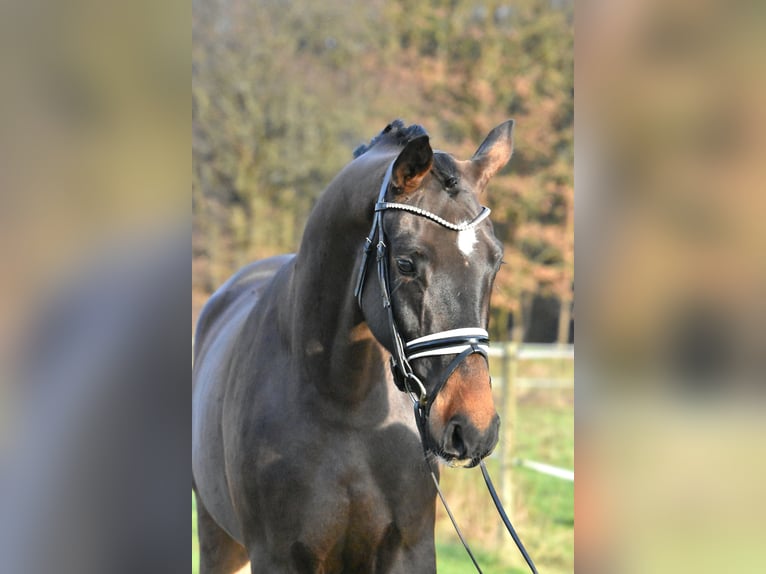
x,y
459,342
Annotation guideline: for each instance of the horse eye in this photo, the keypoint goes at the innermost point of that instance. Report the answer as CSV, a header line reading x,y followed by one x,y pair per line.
x,y
405,266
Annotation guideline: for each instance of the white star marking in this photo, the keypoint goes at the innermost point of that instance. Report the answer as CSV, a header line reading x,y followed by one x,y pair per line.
x,y
466,240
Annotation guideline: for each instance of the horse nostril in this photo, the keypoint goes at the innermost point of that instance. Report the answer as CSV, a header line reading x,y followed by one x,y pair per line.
x,y
455,443
457,440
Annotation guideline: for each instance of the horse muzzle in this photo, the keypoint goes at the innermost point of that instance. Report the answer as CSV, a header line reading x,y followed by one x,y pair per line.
x,y
460,418
464,445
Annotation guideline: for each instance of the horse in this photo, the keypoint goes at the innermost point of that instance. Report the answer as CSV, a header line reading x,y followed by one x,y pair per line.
x,y
307,457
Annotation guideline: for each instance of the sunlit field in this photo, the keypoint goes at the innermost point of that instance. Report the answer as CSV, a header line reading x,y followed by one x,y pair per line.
x,y
542,509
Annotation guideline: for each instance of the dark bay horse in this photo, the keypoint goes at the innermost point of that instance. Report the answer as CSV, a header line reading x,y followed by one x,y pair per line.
x,y
306,456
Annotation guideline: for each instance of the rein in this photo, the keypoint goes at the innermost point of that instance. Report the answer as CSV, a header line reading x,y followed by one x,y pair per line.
x,y
460,342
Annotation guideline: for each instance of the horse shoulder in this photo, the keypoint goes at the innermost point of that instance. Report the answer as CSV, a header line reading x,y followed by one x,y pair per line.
x,y
215,346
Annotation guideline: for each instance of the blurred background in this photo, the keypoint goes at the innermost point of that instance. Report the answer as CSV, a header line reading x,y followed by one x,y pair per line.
x,y
94,257
671,364
282,93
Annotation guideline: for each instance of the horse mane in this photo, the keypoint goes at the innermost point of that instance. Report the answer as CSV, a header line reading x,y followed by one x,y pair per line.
x,y
399,134
395,133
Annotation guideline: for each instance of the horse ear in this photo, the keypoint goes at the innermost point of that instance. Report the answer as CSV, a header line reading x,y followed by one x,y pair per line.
x,y
412,165
493,154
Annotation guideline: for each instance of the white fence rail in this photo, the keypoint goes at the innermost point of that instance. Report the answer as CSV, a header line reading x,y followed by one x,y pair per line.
x,y
533,351
548,469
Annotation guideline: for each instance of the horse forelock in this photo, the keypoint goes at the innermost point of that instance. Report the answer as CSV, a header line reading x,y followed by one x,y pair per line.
x,y
447,171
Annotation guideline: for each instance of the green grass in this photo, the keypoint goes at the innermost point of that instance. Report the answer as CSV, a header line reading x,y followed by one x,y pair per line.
x,y
542,508
452,559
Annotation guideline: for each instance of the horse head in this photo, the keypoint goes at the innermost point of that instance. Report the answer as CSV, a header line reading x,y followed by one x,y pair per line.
x,y
435,255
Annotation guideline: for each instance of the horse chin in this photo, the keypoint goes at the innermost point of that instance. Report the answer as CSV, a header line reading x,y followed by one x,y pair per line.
x,y
457,462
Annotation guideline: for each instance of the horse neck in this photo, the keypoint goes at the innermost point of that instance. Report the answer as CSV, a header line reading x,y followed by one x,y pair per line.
x,y
330,338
